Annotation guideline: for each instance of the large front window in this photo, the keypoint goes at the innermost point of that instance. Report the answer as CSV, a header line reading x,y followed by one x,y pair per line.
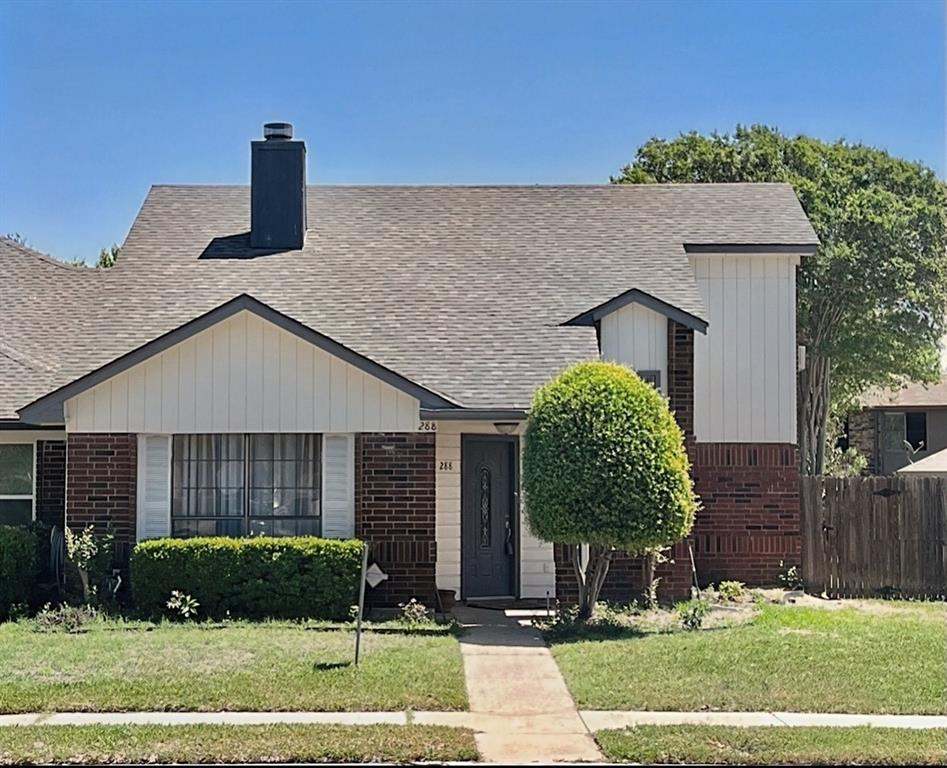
x,y
246,485
16,484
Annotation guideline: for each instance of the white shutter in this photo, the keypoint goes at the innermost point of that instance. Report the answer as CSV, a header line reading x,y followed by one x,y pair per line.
x,y
154,486
338,486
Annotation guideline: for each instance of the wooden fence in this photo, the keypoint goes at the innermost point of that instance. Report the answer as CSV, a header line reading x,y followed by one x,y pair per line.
x,y
874,536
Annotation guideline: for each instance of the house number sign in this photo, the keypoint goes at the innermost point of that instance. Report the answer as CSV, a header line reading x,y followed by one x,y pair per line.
x,y
427,426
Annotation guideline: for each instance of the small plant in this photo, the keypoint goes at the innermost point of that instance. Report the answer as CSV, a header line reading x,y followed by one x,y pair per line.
x,y
731,591
414,613
91,554
353,613
691,614
184,606
64,618
790,577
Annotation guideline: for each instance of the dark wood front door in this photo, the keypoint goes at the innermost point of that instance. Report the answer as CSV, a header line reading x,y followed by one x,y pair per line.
x,y
488,519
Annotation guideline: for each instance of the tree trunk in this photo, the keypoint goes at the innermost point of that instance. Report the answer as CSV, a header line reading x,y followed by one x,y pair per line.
x,y
815,406
649,564
590,576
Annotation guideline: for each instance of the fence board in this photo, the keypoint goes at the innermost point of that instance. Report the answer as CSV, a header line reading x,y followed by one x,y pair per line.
x,y
874,536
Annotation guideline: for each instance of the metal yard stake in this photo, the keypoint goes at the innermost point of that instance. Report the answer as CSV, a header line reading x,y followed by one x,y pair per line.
x,y
361,602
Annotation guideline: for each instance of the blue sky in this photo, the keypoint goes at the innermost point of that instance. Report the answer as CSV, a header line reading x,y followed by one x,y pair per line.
x,y
101,100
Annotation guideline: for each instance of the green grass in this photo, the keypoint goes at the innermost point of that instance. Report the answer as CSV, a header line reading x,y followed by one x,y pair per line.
x,y
870,660
232,666
721,745
233,744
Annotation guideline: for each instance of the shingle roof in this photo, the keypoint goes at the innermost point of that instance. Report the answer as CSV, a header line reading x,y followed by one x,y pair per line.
x,y
43,308
912,395
460,289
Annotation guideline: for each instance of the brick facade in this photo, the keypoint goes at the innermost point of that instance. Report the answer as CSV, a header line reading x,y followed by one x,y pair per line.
x,y
394,511
750,517
51,482
101,485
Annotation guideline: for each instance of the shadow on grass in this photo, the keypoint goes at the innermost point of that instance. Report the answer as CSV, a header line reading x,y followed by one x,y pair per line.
x,y
580,634
326,666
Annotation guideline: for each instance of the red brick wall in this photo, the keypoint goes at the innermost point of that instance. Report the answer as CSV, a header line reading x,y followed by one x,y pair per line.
x,y
101,485
394,511
750,516
51,481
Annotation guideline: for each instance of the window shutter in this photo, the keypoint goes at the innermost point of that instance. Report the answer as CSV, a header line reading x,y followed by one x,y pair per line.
x,y
338,486
154,486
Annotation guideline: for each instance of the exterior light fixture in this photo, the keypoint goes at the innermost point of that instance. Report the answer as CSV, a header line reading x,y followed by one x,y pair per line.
x,y
506,427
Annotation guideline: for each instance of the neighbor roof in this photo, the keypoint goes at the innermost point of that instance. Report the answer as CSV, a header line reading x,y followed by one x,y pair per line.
x,y
463,290
914,395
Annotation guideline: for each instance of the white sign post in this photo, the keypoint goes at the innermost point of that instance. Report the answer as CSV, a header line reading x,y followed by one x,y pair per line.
x,y
373,577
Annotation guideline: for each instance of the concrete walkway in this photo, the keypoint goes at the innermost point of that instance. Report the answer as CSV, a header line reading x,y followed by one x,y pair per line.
x,y
519,703
594,720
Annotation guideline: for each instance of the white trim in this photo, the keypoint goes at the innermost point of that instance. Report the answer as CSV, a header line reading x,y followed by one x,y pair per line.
x,y
23,496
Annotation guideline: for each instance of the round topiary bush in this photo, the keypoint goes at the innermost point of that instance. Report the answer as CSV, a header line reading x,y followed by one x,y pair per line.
x,y
604,464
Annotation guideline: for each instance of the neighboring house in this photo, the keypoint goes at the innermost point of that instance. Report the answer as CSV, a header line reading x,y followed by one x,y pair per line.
x,y
898,427
932,465
344,360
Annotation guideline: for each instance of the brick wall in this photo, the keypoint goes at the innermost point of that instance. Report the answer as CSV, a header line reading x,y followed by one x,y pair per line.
x,y
750,517
862,435
101,478
394,510
51,481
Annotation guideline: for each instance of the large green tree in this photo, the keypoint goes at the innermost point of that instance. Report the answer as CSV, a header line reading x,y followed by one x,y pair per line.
x,y
872,301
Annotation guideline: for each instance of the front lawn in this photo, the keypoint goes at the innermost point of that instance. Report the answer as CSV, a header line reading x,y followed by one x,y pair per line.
x,y
85,744
873,658
719,745
273,666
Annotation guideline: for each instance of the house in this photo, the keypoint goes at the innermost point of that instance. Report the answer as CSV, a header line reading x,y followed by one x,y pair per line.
x,y
897,427
359,360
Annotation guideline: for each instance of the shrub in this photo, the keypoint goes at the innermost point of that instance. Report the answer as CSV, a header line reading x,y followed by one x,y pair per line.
x,y
65,618
414,613
790,577
91,554
18,566
731,591
691,614
301,577
604,464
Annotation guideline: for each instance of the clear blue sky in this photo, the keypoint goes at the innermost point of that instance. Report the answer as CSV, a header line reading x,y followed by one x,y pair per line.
x,y
100,100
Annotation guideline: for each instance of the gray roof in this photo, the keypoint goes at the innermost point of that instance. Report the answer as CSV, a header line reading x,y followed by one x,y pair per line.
x,y
910,395
462,290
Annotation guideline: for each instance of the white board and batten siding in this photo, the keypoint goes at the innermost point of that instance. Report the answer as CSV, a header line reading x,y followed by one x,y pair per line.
x,y
637,337
745,366
154,486
537,569
244,374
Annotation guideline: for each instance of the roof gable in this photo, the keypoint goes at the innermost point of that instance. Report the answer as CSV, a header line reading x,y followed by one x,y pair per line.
x,y
49,408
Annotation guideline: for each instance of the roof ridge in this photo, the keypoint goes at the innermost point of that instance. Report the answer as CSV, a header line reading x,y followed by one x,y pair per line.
x,y
523,186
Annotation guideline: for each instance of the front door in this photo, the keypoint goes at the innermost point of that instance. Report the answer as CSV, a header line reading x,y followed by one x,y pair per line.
x,y
488,469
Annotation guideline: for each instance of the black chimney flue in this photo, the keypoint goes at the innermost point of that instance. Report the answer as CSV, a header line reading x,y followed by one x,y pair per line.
x,y
277,189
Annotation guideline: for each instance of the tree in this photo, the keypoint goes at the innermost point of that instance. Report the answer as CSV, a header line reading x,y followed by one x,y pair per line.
x,y
604,465
108,256
872,301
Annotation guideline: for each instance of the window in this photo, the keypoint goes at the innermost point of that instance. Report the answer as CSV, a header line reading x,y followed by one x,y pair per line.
x,y
652,377
246,485
915,429
16,484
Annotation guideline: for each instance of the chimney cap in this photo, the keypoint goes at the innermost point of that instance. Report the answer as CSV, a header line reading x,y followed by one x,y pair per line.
x,y
277,131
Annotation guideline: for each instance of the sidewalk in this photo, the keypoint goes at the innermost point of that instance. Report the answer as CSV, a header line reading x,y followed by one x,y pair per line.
x,y
519,703
593,720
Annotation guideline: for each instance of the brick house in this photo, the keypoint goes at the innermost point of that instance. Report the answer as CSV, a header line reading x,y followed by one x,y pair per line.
x,y
359,361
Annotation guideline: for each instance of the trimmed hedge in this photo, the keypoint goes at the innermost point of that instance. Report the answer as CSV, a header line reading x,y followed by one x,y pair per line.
x,y
292,577
18,566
